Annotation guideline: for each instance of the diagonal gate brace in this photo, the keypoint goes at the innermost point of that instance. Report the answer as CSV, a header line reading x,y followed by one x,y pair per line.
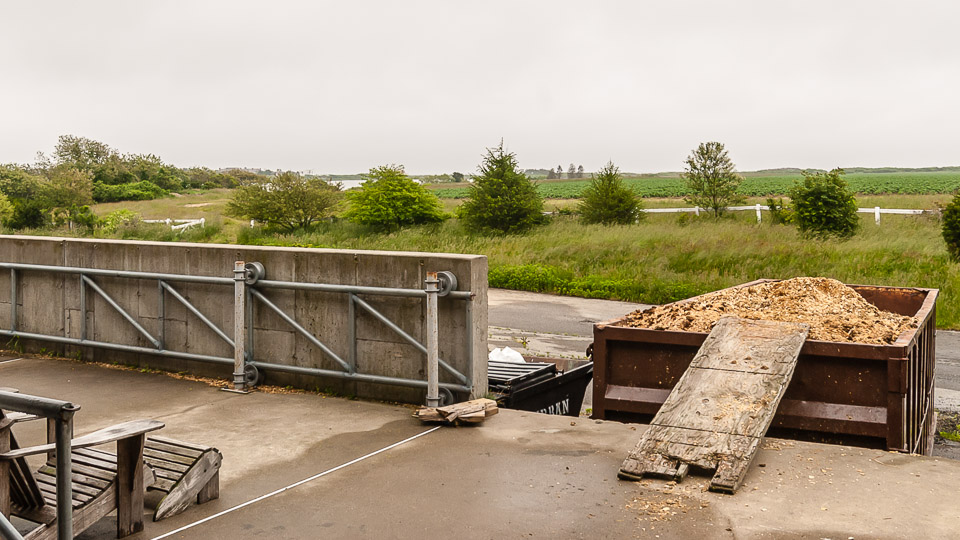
x,y
720,409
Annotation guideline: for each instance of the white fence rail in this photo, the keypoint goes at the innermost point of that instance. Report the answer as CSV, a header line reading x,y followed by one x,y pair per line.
x,y
876,211
179,224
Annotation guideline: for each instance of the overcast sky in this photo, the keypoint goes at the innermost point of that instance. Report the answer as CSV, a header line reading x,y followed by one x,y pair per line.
x,y
341,87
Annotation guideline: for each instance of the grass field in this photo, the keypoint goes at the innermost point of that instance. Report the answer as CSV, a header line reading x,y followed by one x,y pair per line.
x,y
752,186
663,259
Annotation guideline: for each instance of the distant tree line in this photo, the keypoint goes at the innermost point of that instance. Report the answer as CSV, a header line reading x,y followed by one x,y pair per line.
x,y
573,172
59,188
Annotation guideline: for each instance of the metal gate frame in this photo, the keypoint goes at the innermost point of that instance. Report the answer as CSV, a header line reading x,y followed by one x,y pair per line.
x,y
249,287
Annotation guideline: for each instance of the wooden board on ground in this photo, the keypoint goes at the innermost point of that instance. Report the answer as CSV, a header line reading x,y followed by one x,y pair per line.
x,y
472,412
723,404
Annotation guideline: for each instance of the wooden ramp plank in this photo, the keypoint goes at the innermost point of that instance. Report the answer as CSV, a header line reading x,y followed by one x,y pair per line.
x,y
722,405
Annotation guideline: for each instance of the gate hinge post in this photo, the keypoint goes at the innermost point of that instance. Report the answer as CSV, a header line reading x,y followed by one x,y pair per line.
x,y
433,349
239,324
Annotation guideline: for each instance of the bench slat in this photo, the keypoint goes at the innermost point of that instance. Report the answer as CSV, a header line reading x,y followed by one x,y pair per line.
x,y
181,444
166,465
162,446
167,456
110,434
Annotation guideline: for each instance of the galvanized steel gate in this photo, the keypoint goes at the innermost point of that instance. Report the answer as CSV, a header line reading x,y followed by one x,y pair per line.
x,y
250,286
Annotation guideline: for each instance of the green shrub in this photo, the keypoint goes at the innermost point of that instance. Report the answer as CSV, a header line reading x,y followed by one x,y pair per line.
x,y
779,214
950,228
28,214
74,216
823,205
288,200
502,199
143,190
390,199
607,201
120,218
6,209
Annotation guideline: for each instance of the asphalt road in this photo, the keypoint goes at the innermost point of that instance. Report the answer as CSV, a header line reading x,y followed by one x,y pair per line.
x,y
560,326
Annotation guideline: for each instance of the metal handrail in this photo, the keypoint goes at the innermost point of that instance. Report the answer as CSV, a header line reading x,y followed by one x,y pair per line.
x,y
62,413
245,295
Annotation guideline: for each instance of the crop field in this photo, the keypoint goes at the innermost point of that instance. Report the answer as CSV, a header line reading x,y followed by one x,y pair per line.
x,y
917,183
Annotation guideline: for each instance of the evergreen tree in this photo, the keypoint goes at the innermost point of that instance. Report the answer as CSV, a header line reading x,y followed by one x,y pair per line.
x,y
502,199
607,201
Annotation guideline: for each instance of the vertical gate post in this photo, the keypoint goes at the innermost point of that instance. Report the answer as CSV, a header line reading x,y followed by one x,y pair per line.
x,y
64,432
433,353
239,323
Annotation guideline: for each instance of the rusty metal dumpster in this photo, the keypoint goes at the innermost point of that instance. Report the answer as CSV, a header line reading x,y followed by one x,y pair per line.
x,y
872,395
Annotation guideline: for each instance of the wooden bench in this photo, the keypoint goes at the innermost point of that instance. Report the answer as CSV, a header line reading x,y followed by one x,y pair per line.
x,y
184,472
98,485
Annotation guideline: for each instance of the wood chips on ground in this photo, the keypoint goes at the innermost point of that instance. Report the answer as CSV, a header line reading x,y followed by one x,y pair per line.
x,y
834,311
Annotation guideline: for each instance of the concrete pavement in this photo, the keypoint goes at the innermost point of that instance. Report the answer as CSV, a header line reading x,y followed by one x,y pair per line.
x,y
517,475
548,325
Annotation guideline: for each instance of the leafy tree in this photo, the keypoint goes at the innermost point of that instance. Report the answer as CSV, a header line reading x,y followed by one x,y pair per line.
x,y
67,186
390,199
17,183
6,209
712,178
951,227
606,200
551,174
81,152
458,177
287,200
502,199
571,171
580,171
202,177
824,206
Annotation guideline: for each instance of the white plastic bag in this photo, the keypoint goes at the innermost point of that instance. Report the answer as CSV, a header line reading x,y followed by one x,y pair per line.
x,y
506,354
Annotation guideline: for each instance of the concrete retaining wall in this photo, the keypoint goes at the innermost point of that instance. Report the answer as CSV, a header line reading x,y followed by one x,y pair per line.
x,y
50,304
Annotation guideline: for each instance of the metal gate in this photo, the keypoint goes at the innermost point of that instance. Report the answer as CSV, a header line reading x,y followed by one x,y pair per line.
x,y
250,286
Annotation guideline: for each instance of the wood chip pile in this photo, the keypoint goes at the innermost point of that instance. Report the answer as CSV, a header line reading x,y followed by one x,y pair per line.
x,y
834,311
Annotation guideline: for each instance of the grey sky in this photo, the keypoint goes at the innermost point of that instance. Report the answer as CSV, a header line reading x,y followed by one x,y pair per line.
x,y
344,86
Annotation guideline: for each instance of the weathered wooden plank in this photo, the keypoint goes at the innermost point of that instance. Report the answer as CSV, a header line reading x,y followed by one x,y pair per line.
x,y
162,464
189,486
25,492
6,503
154,443
160,455
210,491
163,484
721,407
83,518
130,486
182,444
723,401
113,433
468,411
760,347
79,478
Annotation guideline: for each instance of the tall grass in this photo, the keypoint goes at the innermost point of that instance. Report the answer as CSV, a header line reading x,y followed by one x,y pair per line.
x,y
669,258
